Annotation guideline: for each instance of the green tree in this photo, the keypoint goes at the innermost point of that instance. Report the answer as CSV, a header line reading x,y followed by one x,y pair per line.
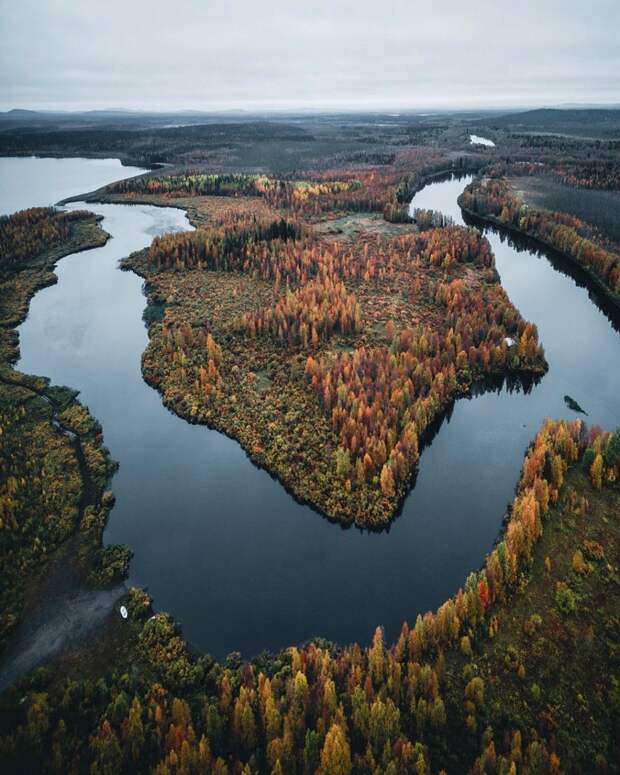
x,y
612,452
312,752
135,729
343,463
108,755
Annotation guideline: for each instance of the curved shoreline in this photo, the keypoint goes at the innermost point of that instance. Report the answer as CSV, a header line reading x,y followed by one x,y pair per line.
x,y
274,468
477,387
103,196
546,246
37,588
83,641
48,263
501,532
62,578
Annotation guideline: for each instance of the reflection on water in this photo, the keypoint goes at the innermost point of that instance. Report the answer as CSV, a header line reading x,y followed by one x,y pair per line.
x,y
218,542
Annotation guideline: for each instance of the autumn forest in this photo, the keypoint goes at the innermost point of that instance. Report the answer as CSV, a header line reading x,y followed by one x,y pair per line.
x,y
305,298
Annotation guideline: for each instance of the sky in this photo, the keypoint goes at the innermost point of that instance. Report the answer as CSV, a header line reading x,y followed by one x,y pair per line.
x,y
293,54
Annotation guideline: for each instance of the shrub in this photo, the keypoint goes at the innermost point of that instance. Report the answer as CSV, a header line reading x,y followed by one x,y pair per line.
x,y
532,624
580,565
588,459
565,598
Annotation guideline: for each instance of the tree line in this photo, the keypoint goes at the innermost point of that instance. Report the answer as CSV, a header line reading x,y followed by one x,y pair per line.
x,y
420,705
28,233
566,233
379,188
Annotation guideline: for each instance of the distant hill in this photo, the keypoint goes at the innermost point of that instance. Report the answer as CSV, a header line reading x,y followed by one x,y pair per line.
x,y
588,122
19,112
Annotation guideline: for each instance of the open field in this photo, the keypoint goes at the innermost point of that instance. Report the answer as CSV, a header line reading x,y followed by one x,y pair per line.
x,y
600,208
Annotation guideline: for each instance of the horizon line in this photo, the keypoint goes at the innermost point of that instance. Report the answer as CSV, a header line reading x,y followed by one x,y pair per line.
x,y
395,110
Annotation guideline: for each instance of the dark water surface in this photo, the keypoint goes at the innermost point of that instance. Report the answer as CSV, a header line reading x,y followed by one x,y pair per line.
x,y
220,544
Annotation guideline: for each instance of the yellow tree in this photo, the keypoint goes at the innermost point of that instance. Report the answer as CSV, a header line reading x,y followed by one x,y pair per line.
x,y
596,472
336,753
388,487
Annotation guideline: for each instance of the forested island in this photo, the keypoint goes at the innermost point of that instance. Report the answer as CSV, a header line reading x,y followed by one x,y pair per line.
x,y
327,357
316,318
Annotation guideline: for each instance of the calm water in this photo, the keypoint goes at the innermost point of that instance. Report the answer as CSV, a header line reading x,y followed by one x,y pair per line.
x,y
219,543
477,140
54,179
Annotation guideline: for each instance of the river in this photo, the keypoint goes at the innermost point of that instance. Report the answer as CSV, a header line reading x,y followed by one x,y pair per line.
x,y
218,542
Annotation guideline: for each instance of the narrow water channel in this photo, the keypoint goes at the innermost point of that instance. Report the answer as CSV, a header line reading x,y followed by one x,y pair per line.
x,y
219,543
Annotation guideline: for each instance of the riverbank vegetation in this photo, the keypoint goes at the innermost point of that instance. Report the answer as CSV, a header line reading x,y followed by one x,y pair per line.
x,y
493,198
319,194
295,309
31,242
478,686
598,207
54,467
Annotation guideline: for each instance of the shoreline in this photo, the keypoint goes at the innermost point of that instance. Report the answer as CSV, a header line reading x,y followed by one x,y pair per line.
x,y
438,422
125,161
546,246
34,588
424,440
97,240
477,387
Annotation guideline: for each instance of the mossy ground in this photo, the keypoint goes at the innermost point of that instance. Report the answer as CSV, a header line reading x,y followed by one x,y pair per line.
x,y
552,668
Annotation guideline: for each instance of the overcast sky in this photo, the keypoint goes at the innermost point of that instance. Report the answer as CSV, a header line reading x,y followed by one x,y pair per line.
x,y
200,54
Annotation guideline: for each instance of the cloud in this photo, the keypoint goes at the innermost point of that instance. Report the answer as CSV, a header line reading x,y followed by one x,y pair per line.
x,y
201,54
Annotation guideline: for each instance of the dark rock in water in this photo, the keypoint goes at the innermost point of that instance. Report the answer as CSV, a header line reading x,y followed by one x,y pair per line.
x,y
572,404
